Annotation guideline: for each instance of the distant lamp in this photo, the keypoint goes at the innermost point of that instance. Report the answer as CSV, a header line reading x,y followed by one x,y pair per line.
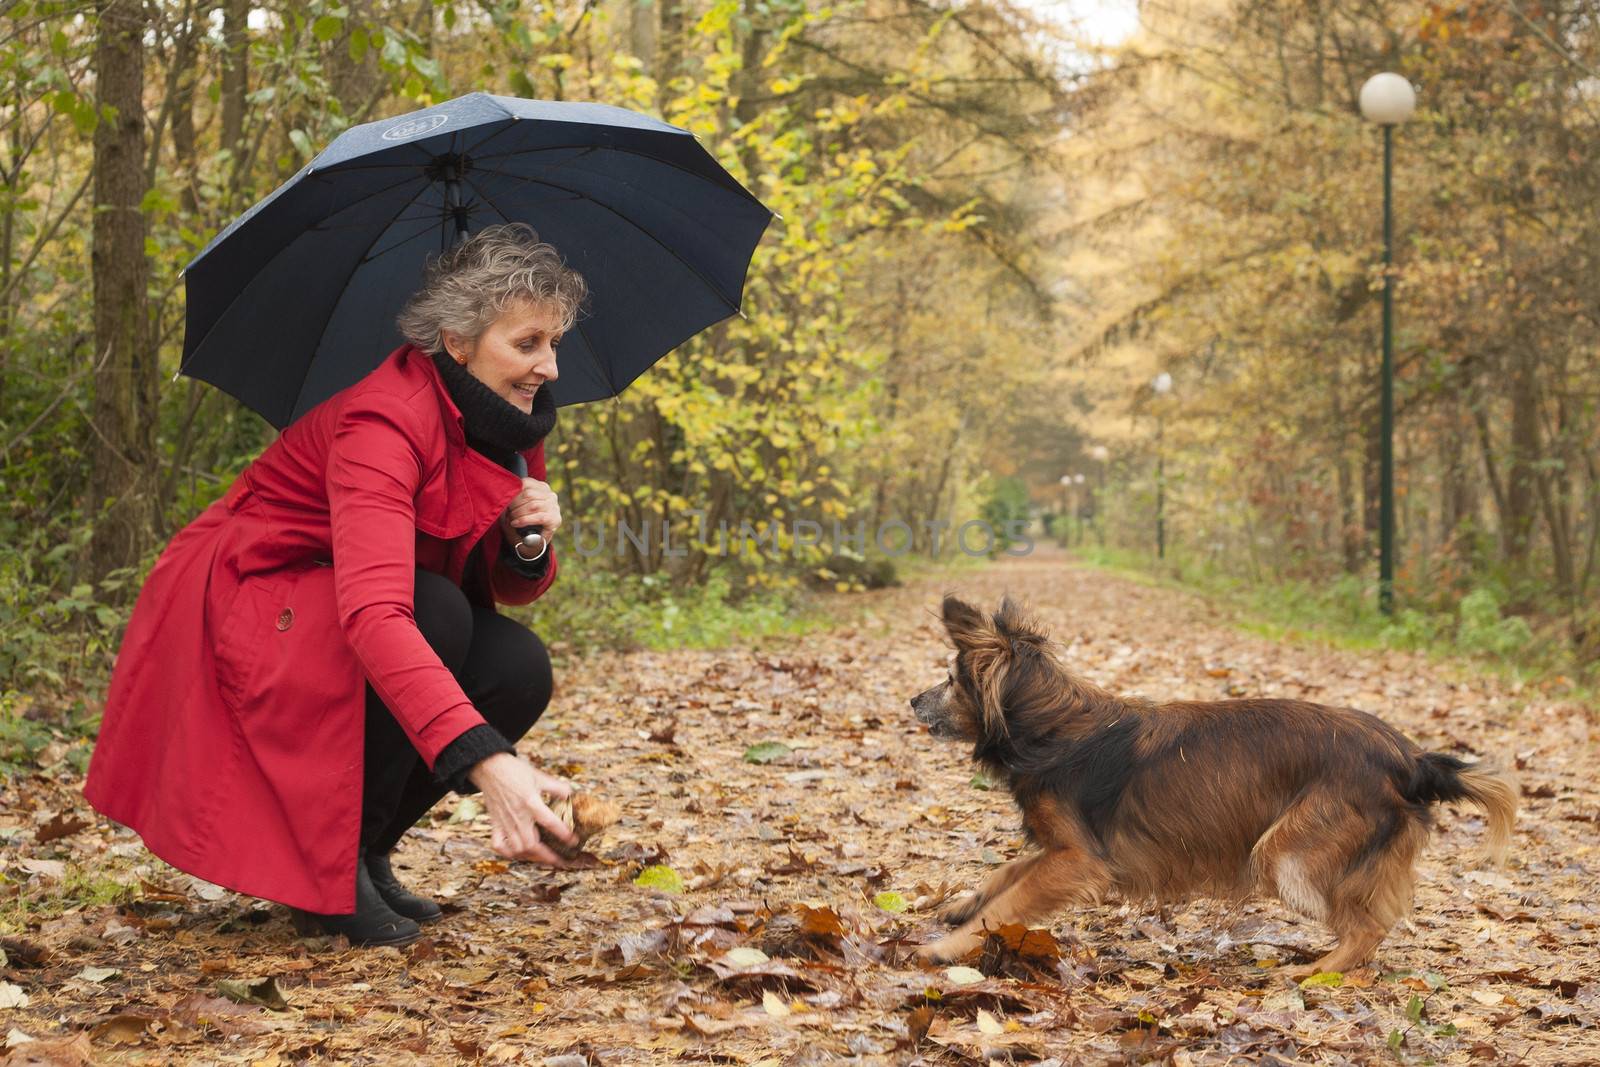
x,y
1387,99
1162,383
1099,453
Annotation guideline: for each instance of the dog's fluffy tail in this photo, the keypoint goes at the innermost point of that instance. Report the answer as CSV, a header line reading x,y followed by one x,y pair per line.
x,y
1438,778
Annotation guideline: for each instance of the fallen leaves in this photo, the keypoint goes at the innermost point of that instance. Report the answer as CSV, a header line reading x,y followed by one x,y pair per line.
x,y
660,877
775,945
262,991
62,824
766,752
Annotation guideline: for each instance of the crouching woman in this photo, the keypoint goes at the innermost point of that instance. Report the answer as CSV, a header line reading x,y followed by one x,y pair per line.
x,y
316,659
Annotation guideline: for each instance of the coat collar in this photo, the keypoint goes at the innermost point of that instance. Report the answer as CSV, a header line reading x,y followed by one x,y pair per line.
x,y
455,422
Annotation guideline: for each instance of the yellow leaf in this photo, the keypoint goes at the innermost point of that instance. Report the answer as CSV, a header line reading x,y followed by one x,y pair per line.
x,y
988,1023
774,1006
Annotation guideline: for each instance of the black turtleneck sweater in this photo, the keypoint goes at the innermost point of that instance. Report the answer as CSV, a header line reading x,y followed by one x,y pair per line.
x,y
500,430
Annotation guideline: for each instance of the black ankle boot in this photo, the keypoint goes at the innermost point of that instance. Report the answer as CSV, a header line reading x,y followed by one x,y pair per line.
x,y
373,923
398,896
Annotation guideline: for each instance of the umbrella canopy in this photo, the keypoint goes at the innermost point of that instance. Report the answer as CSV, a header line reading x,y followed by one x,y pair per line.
x,y
297,298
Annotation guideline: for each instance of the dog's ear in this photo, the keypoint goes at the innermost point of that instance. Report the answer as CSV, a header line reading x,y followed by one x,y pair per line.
x,y
1012,622
965,624
987,656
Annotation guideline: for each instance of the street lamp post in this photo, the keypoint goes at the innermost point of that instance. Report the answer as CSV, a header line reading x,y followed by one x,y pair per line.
x,y
1162,385
1388,100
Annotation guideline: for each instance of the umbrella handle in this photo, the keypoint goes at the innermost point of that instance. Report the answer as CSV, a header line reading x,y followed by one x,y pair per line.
x,y
533,543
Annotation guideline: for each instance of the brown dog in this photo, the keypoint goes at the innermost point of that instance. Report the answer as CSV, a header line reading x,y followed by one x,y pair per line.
x,y
1324,808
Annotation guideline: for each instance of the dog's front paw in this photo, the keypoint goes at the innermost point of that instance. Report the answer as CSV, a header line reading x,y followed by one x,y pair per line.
x,y
958,911
947,949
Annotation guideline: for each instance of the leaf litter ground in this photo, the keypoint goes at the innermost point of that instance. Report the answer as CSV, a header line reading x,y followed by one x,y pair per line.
x,y
798,829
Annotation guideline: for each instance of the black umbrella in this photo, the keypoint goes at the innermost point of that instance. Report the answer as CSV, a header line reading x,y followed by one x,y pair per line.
x,y
297,298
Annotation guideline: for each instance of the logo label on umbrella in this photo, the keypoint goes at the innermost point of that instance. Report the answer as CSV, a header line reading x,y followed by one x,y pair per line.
x,y
406,129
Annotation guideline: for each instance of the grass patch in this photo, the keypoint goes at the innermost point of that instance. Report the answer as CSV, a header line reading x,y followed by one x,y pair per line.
x,y
627,612
1343,613
77,888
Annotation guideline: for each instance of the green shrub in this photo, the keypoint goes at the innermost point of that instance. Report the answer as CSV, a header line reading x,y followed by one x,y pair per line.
x,y
1483,629
601,609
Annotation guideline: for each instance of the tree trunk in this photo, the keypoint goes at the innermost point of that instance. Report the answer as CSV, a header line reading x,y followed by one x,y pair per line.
x,y
184,58
1371,473
669,50
1460,499
235,83
124,461
357,86
1521,473
1344,475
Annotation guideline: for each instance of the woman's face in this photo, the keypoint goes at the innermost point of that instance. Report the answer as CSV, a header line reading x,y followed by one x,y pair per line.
x,y
515,355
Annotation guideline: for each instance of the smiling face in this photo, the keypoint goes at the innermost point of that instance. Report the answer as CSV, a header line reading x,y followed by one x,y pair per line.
x,y
515,355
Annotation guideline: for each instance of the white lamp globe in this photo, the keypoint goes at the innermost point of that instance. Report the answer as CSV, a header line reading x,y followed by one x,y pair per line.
x,y
1162,383
1078,478
1387,99
1066,479
1100,453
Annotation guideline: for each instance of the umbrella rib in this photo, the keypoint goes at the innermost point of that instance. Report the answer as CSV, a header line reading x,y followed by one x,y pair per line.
x,y
428,224
340,167
342,287
314,227
594,357
748,195
734,304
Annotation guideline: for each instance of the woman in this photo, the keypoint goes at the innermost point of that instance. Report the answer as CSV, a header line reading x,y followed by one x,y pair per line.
x,y
316,660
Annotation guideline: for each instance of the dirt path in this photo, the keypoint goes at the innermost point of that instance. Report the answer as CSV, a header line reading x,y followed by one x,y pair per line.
x,y
789,856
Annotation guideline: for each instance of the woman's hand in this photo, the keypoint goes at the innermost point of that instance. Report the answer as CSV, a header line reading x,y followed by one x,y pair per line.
x,y
511,789
534,506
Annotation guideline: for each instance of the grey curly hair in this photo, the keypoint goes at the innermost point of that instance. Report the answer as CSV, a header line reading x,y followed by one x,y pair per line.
x,y
466,287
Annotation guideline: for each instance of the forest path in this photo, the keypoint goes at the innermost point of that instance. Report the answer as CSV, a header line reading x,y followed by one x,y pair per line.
x,y
789,855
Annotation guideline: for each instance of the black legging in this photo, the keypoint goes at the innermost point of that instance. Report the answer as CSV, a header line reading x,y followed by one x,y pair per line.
x,y
504,670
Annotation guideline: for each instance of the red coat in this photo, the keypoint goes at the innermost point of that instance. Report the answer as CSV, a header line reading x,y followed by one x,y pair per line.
x,y
232,734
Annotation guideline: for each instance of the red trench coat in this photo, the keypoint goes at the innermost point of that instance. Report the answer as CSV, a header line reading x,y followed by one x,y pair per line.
x,y
232,733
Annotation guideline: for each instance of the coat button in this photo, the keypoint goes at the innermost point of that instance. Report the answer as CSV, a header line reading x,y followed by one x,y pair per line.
x,y
285,618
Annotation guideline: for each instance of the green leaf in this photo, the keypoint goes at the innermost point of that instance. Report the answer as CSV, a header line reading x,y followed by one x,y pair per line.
x,y
1326,978
327,27
358,44
521,84
1435,981
1414,1009
890,901
982,781
1396,1039
302,142
766,752
660,877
